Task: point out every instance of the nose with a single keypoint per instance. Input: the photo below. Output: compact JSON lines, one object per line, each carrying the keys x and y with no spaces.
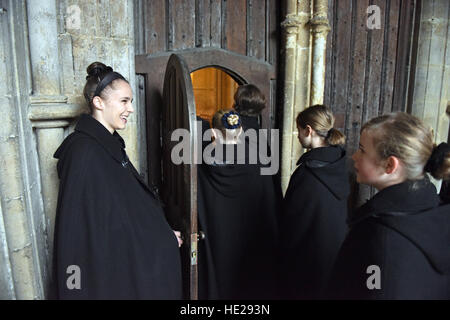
{"x":130,"y":108}
{"x":354,"y":156}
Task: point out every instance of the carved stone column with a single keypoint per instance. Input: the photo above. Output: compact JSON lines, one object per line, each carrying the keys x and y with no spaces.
{"x":319,"y":28}
{"x":296,"y":83}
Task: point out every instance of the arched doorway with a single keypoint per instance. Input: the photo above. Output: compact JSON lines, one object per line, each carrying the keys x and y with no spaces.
{"x":213,"y":90}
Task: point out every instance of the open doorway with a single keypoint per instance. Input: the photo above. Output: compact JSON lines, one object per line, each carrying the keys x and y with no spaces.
{"x":213,"y":90}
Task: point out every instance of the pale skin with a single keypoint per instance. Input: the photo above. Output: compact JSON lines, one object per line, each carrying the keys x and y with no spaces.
{"x":229,"y":139}
{"x":309,"y":138}
{"x":113,"y":112}
{"x":373,"y":171}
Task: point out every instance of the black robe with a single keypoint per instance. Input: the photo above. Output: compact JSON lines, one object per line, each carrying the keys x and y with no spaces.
{"x":237,"y":209}
{"x":445,"y":191}
{"x":404,"y":232}
{"x":109,"y":223}
{"x":250,"y":122}
{"x":313,"y":222}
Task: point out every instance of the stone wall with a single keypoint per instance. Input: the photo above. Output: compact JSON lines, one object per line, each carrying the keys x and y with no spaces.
{"x":432,"y":75}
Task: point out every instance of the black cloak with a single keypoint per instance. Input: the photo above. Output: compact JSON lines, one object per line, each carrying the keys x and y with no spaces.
{"x":109,"y":223}
{"x":313,"y":223}
{"x":445,"y":191}
{"x":237,"y":209}
{"x":406,"y":233}
{"x":250,"y":122}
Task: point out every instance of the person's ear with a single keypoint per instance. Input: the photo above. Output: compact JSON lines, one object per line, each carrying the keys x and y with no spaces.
{"x":98,"y":104}
{"x":392,"y":164}
{"x":309,"y":130}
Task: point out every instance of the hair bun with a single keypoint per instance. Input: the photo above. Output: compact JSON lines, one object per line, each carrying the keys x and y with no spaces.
{"x":231,"y":120}
{"x":96,"y":69}
{"x":437,"y":157}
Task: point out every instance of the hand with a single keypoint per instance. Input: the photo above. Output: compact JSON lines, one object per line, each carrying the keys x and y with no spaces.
{"x":178,"y":235}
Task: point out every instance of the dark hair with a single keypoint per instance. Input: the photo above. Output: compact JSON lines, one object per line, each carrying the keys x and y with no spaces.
{"x":249,"y":100}
{"x":321,"y":120}
{"x":97,"y":71}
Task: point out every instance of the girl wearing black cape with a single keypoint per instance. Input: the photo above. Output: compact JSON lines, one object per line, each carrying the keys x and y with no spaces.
{"x":398,"y":243}
{"x":314,"y":207}
{"x":112,"y":240}
{"x":237,"y":212}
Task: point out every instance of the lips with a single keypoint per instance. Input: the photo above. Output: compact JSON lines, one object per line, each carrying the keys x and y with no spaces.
{"x":124,"y":119}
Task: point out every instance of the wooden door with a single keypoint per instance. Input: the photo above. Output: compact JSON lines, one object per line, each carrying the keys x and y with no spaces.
{"x":241,"y":68}
{"x":179,"y":190}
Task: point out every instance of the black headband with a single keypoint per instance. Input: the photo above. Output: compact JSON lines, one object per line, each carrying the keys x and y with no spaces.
{"x":110,"y":77}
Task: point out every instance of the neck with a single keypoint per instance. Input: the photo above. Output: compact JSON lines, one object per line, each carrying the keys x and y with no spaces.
{"x":389,"y":183}
{"x":97,"y":117}
{"x":318,"y":142}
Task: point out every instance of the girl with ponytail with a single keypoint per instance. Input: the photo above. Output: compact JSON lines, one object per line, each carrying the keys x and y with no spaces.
{"x":398,"y":243}
{"x":315,"y":207}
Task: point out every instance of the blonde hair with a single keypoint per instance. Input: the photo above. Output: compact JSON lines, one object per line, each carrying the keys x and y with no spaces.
{"x":321,"y":120}
{"x":410,"y":140}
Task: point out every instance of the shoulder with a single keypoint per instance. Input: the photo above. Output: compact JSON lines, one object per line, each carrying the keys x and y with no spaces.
{"x":302,"y":177}
{"x":79,"y":144}
{"x":77,"y":152}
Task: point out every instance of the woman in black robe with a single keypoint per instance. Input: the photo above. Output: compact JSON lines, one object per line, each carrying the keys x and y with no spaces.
{"x":237,"y":209}
{"x":112,"y":240}
{"x":399,"y":240}
{"x":314,"y":207}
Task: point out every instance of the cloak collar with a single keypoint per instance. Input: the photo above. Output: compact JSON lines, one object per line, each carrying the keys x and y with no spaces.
{"x":113,"y":143}
{"x":321,"y":156}
{"x":407,"y":198}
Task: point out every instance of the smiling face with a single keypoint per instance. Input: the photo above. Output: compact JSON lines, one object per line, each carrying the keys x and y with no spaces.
{"x":114,"y":109}
{"x":369,"y":168}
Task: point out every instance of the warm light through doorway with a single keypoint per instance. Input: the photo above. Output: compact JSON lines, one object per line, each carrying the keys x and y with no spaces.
{"x":213,"y":90}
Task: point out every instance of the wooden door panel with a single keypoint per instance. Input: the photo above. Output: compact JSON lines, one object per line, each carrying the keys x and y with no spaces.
{"x":179,"y":190}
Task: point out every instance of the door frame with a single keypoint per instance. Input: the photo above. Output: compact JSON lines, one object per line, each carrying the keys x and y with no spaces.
{"x":241,"y":68}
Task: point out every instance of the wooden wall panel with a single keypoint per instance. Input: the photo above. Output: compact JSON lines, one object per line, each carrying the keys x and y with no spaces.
{"x":367,"y":70}
{"x":341,"y":60}
{"x":155,"y":33}
{"x":203,"y":23}
{"x":234,"y":26}
{"x":358,"y":76}
{"x":181,"y":24}
{"x":256,"y":28}
{"x":375,"y":65}
{"x":247,"y":27}
{"x":216,"y":23}
{"x":390,"y":56}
